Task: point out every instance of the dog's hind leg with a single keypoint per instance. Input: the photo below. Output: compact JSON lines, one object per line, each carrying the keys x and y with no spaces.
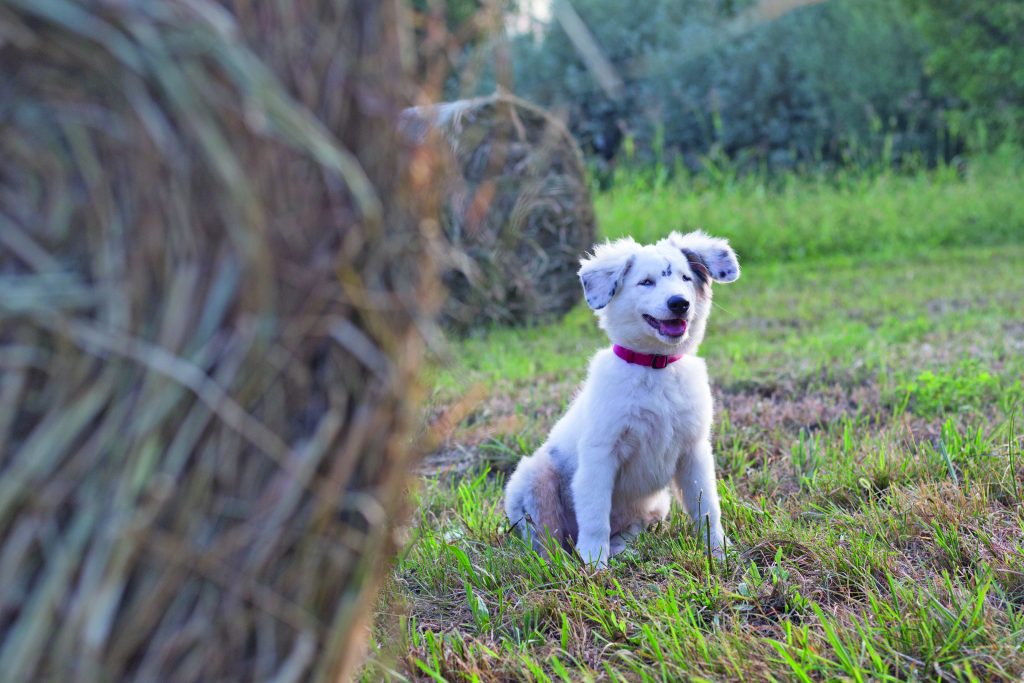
{"x":645,"y":514}
{"x":534,"y":502}
{"x":657,"y":507}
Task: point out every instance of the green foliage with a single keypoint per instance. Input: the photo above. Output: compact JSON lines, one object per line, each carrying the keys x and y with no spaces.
{"x":977,"y":51}
{"x":832,"y":83}
{"x":849,"y":214}
{"x":968,"y":386}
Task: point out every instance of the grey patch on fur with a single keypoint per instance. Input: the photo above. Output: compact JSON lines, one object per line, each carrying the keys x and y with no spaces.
{"x":590,"y":295}
{"x":590,"y":298}
{"x":627,"y":267}
{"x":668,"y":270}
{"x":700,"y":269}
{"x":555,"y":507}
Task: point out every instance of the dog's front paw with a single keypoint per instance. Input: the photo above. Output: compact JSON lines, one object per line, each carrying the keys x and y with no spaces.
{"x":719,"y":544}
{"x":594,"y":554}
{"x":717,"y":541}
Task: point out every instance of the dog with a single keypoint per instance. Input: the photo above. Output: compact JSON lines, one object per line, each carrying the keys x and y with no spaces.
{"x":642,"y":419}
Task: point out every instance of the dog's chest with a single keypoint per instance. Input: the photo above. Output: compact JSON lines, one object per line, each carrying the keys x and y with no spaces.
{"x":659,"y":429}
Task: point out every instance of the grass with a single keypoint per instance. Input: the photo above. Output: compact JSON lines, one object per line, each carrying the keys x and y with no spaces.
{"x":851,"y":213}
{"x":868,"y":439}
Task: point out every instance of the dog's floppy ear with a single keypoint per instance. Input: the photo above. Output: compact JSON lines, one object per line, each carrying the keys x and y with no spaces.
{"x":602,"y":273}
{"x":713,"y":252}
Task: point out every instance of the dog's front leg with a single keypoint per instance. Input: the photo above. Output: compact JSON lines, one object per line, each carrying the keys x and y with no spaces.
{"x":592,"y":486}
{"x":695,"y":476}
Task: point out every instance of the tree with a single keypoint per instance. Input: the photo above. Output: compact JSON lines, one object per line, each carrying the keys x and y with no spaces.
{"x":977,"y":51}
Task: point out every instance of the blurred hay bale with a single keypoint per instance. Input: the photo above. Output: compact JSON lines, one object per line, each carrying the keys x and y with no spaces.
{"x":518,"y":215}
{"x":211,"y":322}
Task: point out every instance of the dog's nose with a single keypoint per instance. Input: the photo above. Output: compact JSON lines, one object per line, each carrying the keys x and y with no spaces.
{"x":678,"y":305}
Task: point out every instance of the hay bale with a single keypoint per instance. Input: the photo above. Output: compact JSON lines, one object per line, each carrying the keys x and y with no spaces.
{"x":211,"y":322}
{"x":518,"y":214}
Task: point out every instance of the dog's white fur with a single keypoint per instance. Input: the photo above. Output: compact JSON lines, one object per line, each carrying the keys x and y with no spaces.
{"x":605,"y":471}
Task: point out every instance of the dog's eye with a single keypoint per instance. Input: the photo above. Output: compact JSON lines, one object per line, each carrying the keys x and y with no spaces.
{"x":686,"y":277}
{"x":646,"y":282}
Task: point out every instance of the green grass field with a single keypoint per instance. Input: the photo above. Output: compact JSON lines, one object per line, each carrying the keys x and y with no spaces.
{"x":867,"y":374}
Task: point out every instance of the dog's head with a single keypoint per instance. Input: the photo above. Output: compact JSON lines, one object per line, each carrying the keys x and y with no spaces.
{"x":656,"y":298}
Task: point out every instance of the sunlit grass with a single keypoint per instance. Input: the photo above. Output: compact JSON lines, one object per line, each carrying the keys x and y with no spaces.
{"x":813,"y":312}
{"x":851,"y":215}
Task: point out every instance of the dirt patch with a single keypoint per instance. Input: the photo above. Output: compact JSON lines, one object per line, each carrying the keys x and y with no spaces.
{"x":481,"y":428}
{"x":783,"y":410}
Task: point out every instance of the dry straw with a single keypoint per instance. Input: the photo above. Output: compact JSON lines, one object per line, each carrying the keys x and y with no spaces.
{"x":215,"y":290}
{"x":518,"y":216}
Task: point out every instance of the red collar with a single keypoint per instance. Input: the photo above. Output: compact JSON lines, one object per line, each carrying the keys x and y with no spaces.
{"x":650,"y":360}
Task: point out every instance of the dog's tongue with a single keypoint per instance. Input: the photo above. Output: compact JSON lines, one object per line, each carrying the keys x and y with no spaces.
{"x":672,"y":328}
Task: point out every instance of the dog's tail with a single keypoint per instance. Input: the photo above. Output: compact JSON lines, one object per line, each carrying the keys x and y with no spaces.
{"x":534,"y":502}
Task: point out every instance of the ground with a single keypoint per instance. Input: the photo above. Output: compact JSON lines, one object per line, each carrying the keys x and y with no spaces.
{"x":868,"y":439}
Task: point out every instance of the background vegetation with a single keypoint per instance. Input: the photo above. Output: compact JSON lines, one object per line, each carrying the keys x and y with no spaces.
{"x":827,"y":84}
{"x":976,"y":51}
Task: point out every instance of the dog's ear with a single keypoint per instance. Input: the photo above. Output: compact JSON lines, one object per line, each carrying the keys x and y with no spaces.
{"x":602,"y":273}
{"x":714,"y":253}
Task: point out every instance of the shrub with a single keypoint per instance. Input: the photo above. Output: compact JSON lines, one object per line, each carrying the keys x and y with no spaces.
{"x":831,"y":83}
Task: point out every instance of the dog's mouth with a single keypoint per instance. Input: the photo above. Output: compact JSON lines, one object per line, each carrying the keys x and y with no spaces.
{"x":672,"y":327}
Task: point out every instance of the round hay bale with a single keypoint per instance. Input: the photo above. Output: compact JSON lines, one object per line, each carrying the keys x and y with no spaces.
{"x":211,"y":322}
{"x":518,"y":214}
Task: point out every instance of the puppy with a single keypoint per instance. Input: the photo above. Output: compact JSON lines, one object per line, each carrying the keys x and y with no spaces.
{"x":643,"y":416}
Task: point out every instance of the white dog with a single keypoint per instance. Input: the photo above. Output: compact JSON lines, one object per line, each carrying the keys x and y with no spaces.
{"x":643,"y":416}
